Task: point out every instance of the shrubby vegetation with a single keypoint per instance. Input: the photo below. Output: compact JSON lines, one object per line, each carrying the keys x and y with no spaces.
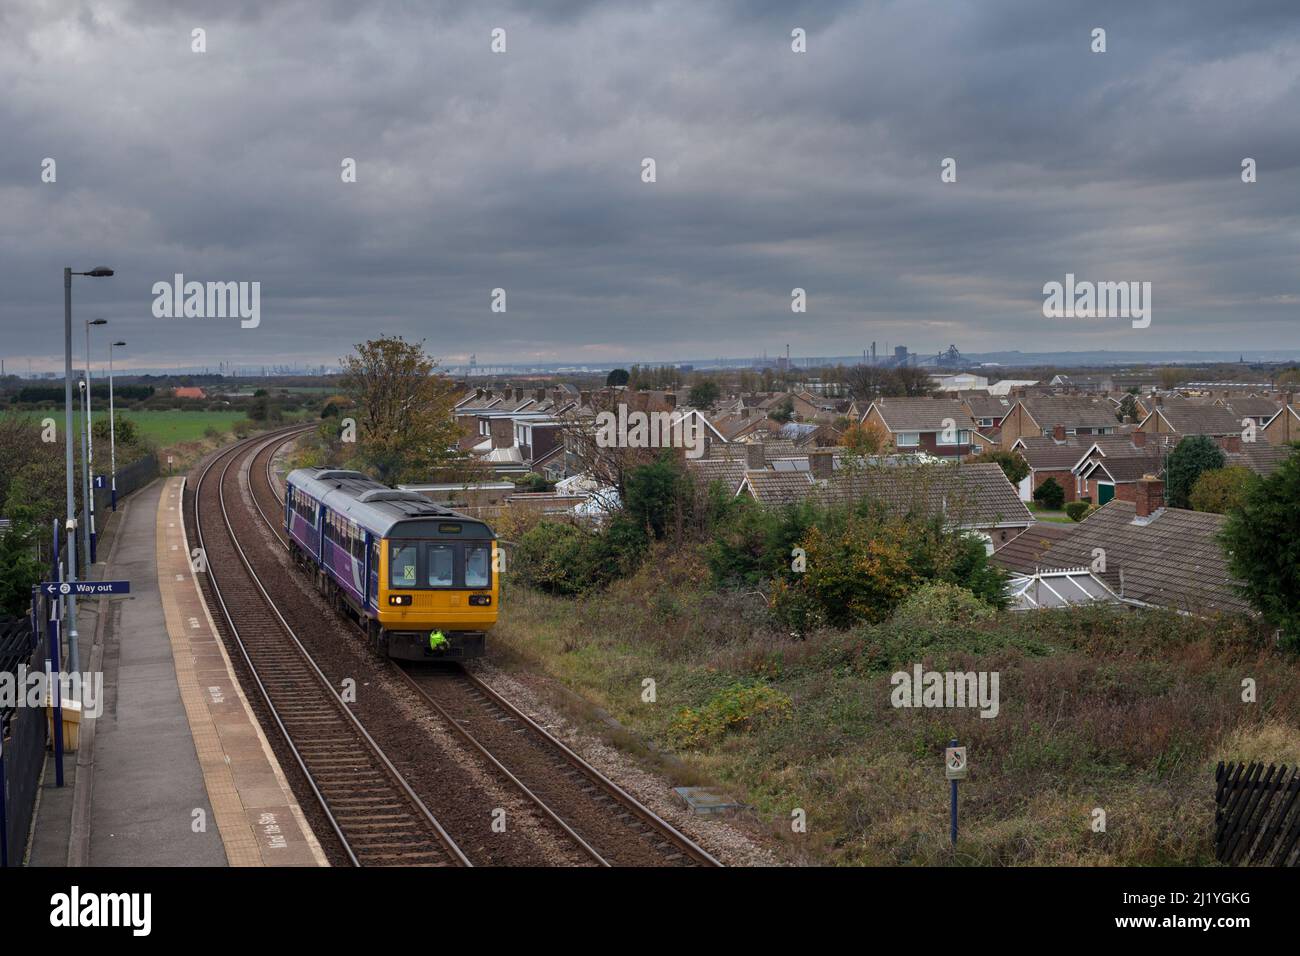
{"x":815,"y":565}
{"x":1262,"y":538}
{"x":1050,"y":495}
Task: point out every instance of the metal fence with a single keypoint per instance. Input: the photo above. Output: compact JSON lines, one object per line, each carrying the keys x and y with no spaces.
{"x":22,"y":742}
{"x":130,"y":478}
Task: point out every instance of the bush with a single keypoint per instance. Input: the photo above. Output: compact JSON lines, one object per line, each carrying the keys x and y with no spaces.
{"x":556,"y":558}
{"x":1262,"y":541}
{"x":736,"y":708}
{"x":1077,"y":509}
{"x":1050,"y":495}
{"x":940,"y":602}
{"x":1221,"y":490}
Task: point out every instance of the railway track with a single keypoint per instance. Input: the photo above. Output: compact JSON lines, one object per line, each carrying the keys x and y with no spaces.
{"x":374,"y":812}
{"x":608,"y":825}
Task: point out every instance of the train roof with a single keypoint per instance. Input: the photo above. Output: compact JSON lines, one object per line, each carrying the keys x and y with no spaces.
{"x":374,"y":506}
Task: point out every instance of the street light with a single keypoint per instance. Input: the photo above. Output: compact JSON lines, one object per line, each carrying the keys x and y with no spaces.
{"x":112,"y":422}
{"x":88,"y":466}
{"x":70,"y":522}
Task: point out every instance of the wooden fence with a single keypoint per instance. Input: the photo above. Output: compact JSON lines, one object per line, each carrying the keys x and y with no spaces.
{"x":1257,"y":815}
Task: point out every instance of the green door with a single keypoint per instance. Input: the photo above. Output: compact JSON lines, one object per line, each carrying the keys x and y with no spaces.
{"x":1104,"y":493}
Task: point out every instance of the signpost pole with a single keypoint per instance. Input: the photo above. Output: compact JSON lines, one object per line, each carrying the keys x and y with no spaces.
{"x":953,"y":824}
{"x":55,"y":689}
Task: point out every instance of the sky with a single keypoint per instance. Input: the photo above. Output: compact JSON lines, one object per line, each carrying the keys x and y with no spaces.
{"x":523,"y":171}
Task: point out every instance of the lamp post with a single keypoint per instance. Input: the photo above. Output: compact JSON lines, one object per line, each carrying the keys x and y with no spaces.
{"x":70,"y":522}
{"x":85,"y":481}
{"x":112,"y":424}
{"x":90,"y":448}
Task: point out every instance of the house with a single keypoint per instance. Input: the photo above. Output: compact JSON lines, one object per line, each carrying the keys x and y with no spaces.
{"x":937,"y":426}
{"x":1068,"y":415}
{"x":1284,"y":427}
{"x":972,"y":496}
{"x":734,"y":426}
{"x":1182,"y":417}
{"x":1257,"y":408}
{"x":1024,"y":553}
{"x":987,"y":410}
{"x":1068,"y":460}
{"x":1260,"y":457}
{"x":184,"y":391}
{"x":1153,"y":555}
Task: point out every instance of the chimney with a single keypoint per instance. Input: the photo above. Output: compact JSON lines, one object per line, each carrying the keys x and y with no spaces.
{"x":1139,"y":439}
{"x":1230,"y":443}
{"x":503,"y":432}
{"x":519,"y":394}
{"x":1160,"y":399}
{"x":556,"y":395}
{"x":586,"y":397}
{"x":1058,"y":434}
{"x":755,"y":456}
{"x":539,"y":394}
{"x":1150,"y":496}
{"x":671,"y":399}
{"x":821,"y":462}
{"x":478,"y":393}
{"x":744,"y":412}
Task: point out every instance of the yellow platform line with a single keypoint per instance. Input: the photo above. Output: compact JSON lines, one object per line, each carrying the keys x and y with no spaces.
{"x":257,"y":816}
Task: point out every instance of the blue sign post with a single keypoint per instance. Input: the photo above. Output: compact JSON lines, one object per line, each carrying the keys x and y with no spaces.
{"x":954,"y":768}
{"x":84,"y":589}
{"x":56,"y":701}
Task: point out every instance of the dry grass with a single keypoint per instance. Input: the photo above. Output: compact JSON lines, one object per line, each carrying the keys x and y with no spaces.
{"x":1127,"y":712}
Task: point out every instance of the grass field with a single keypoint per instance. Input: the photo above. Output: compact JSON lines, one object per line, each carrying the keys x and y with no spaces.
{"x":1126,"y":713}
{"x":163,"y":428}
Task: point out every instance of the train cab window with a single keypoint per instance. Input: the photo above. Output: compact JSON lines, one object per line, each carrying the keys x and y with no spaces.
{"x":442,"y":564}
{"x":478,"y":566}
{"x":401,"y":565}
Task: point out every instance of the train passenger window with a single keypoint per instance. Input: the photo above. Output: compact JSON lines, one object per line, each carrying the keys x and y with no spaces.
{"x":401,"y":565}
{"x":478,"y":565}
{"x":442,"y":562}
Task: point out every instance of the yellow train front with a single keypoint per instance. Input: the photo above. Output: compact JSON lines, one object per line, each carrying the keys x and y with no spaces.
{"x":420,"y":579}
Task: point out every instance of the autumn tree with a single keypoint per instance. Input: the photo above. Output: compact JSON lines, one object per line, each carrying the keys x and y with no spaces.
{"x":406,"y":428}
{"x":1221,"y":490}
{"x":910,"y":382}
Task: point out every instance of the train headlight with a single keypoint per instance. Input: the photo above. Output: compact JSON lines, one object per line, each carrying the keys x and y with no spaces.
{"x":399,"y":600}
{"x":480,"y":600}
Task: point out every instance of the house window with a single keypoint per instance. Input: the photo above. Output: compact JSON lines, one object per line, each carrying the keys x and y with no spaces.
{"x":963,"y":436}
{"x":908,"y":439}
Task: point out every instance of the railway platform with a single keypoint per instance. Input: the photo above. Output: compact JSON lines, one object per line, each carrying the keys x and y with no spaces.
{"x":175,"y":771}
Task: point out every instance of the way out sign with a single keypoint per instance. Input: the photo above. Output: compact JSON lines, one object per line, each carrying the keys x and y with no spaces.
{"x":954,"y":763}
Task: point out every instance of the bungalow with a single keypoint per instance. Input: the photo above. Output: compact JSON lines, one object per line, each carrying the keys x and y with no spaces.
{"x":1154,"y":556}
{"x":1182,"y":417}
{"x":941,"y":427}
{"x":973,"y":496}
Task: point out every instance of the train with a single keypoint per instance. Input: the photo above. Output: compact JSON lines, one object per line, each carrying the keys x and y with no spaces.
{"x":421,"y":580}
